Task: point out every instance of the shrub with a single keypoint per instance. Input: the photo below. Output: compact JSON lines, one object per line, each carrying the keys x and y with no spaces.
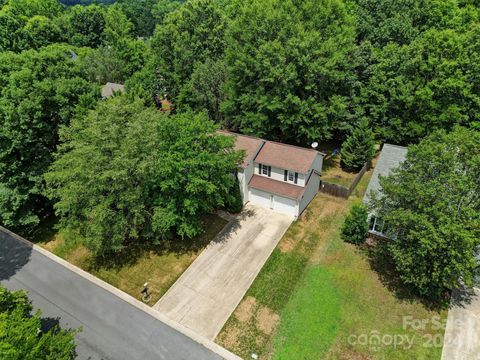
{"x":234,"y":203}
{"x":355,"y":227}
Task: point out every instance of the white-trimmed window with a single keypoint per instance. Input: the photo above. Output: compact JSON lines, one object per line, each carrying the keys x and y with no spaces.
{"x":265,"y":170}
{"x":291,"y":176}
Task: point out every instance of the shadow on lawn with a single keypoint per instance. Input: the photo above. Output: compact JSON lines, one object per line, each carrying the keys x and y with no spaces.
{"x":214,"y":228}
{"x":382,"y":263}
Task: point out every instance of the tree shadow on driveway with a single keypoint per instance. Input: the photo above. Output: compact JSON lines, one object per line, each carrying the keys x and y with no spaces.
{"x":14,"y":255}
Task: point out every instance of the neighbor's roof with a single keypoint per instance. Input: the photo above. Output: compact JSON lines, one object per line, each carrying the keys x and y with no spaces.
{"x":276,"y":187}
{"x":109,"y":88}
{"x":286,"y":156}
{"x":390,"y":157}
{"x":248,"y":143}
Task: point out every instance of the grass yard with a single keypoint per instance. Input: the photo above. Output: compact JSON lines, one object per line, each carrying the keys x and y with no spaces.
{"x":159,"y":266}
{"x":319,"y":298}
{"x":333,"y":173}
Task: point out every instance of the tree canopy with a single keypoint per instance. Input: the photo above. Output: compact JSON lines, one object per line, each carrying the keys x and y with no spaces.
{"x":22,"y":335}
{"x":39,"y":91}
{"x":128,"y":173}
{"x":431,"y":204}
{"x":290,"y":69}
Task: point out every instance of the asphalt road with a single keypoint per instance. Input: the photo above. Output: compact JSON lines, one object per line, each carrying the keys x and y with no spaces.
{"x":112,"y":328}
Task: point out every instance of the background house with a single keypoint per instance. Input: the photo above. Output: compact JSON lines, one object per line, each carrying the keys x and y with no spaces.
{"x":284,"y":178}
{"x":390,"y":157}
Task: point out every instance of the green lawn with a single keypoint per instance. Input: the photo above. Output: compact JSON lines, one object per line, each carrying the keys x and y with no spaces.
{"x":319,"y":298}
{"x":160,"y":266}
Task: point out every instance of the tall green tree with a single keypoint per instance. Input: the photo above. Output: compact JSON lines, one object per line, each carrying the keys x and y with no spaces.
{"x":188,"y":37}
{"x":426,"y":85}
{"x":12,"y":37}
{"x":359,"y":147}
{"x":431,"y":204}
{"x":206,"y":89}
{"x":140,"y":14}
{"x":30,"y":8}
{"x":21,"y":334}
{"x":40,"y":31}
{"x":127,"y":173}
{"x":290,"y":68}
{"x":85,"y":25}
{"x":39,"y":91}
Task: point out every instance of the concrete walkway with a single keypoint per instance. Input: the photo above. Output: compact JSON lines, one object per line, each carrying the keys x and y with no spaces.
{"x":207,"y":293}
{"x":462,"y":334}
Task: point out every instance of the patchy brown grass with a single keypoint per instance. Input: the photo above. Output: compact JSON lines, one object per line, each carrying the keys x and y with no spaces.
{"x":334,"y":174}
{"x":356,"y":294}
{"x":267,"y":320}
{"x":160,"y":268}
{"x":245,"y":310}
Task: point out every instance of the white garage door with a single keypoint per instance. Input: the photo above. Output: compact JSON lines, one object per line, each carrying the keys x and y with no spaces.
{"x":259,"y":197}
{"x":284,"y":205}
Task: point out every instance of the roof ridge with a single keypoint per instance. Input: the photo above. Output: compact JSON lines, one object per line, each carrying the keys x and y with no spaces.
{"x":294,"y":146}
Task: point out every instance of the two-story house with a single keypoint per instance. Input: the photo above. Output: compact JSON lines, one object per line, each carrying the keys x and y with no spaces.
{"x":284,"y":178}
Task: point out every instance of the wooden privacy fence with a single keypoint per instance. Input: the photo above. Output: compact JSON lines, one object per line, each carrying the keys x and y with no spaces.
{"x":343,"y":191}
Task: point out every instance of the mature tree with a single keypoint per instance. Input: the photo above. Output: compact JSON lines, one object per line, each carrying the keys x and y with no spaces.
{"x":85,"y":25}
{"x":290,"y":68}
{"x":427,"y":85}
{"x":22,"y":335}
{"x":128,"y":173}
{"x":431,"y":204}
{"x":205,"y":90}
{"x":12,"y":37}
{"x":188,"y":37}
{"x":140,"y":14}
{"x":381,"y":22}
{"x":355,"y":227}
{"x":30,"y":8}
{"x":117,"y":25}
{"x":38,"y":92}
{"x":164,"y":7}
{"x":115,"y":63}
{"x":40,"y":31}
{"x":359,"y":147}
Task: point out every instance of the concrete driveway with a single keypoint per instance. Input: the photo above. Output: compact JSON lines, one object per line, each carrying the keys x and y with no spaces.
{"x":207,"y":293}
{"x":462,"y":334}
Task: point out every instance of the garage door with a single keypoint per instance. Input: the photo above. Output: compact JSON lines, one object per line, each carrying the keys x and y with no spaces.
{"x":259,"y":197}
{"x":284,"y":205}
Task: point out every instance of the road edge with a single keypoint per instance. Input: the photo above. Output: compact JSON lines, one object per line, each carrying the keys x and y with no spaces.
{"x":209,"y":344}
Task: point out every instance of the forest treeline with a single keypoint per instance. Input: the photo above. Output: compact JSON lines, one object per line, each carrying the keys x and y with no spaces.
{"x":287,"y":70}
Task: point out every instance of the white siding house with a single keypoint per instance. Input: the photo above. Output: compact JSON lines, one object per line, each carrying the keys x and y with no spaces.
{"x":282,"y":177}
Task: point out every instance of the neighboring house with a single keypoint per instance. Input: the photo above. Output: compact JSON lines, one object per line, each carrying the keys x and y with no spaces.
{"x":390,"y":157}
{"x":282,"y":177}
{"x":110,"y":89}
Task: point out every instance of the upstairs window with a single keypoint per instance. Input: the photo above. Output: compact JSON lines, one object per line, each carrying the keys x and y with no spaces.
{"x":265,"y":170}
{"x":290,"y":176}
